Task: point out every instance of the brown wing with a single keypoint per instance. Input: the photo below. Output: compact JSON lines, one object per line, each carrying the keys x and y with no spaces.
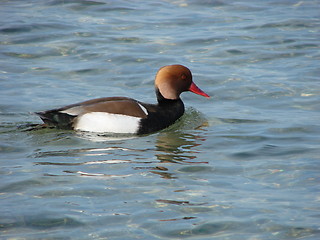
{"x":64,"y":117}
{"x":115,"y":105}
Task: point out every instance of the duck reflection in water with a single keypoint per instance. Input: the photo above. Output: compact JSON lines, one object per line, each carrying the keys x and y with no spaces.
{"x":177,"y":147}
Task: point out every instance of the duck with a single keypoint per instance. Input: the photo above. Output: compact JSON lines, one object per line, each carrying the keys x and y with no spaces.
{"x":123,"y":115}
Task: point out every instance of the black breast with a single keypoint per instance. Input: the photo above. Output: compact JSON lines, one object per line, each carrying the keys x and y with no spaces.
{"x":161,"y":116}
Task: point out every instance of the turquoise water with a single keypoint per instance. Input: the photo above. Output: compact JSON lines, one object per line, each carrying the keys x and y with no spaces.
{"x":241,"y":165}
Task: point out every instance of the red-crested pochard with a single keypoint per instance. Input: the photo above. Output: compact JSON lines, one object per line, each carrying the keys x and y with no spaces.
{"x":127,"y":115}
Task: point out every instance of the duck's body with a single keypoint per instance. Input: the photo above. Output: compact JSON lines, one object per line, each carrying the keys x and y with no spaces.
{"x":127,"y":115}
{"x":115,"y":115}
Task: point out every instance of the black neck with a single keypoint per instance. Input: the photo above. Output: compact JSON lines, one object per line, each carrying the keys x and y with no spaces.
{"x":162,"y":100}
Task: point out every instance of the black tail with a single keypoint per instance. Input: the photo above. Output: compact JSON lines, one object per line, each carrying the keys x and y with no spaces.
{"x":56,"y":119}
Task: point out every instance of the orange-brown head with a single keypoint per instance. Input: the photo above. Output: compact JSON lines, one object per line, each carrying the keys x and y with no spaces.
{"x":172,"y":80}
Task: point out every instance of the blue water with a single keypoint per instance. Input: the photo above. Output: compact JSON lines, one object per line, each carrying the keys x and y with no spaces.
{"x":241,"y":165}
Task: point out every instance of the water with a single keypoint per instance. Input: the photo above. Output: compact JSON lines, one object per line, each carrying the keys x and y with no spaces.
{"x":242,"y":165}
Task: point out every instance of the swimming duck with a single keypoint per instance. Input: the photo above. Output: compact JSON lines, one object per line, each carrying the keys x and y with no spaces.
{"x":127,"y":115}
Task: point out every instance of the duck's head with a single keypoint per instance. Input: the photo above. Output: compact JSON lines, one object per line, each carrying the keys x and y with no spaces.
{"x":172,"y":80}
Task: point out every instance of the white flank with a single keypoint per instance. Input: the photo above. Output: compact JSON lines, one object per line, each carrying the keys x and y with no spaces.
{"x":103,"y":122}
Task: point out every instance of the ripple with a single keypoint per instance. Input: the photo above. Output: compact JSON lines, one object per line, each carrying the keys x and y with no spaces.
{"x":84,"y":152}
{"x":41,"y":222}
{"x":240,"y":121}
{"x":174,"y":202}
{"x":270,"y":150}
{"x":293,"y":24}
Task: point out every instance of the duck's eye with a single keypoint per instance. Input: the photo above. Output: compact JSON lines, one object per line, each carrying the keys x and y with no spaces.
{"x":183,"y":77}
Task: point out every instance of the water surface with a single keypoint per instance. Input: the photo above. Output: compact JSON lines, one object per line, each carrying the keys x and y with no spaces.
{"x":241,"y":165}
